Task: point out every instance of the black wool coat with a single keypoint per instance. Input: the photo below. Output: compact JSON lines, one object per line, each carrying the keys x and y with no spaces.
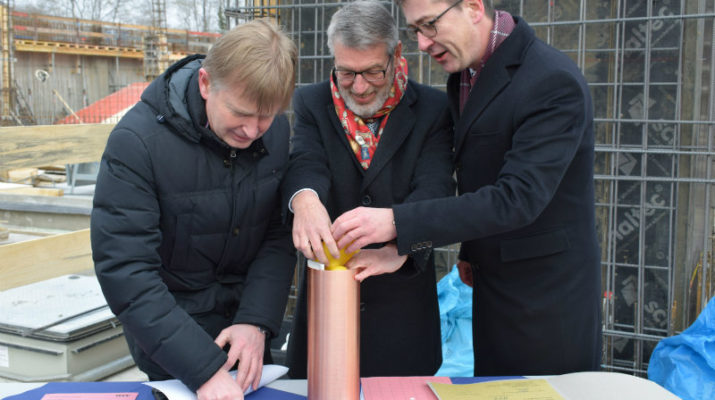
{"x":399,"y":317}
{"x":524,"y":157}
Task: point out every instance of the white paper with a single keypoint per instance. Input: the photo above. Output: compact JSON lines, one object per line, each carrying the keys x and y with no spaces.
{"x":173,"y":389}
{"x":599,"y":385}
{"x":316,"y":265}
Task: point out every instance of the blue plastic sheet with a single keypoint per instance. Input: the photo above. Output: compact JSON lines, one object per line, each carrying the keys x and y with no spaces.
{"x":685,"y":363}
{"x":455,"y":311}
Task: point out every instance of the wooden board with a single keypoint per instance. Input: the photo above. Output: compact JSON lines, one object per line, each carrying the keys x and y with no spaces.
{"x":44,"y":258}
{"x":34,"y":191}
{"x":38,"y":145}
{"x":19,"y":175}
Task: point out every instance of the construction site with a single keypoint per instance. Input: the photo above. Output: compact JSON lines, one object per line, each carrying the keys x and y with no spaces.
{"x":650,"y":65}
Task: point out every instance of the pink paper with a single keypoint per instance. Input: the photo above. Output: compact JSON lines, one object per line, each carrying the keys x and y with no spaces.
{"x":90,"y":396}
{"x":400,"y":387}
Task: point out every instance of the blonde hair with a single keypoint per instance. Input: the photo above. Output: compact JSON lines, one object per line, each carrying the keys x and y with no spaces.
{"x":260,"y":58}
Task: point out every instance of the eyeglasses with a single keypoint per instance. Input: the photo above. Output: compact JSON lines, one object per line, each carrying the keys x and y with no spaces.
{"x":371,"y":75}
{"x":427,"y":29}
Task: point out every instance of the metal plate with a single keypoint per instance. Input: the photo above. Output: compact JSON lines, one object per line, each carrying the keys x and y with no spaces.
{"x":64,"y":308}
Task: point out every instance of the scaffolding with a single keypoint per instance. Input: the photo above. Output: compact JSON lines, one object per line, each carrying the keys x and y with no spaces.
{"x":6,"y":75}
{"x":650,"y":68}
{"x":156,"y":46}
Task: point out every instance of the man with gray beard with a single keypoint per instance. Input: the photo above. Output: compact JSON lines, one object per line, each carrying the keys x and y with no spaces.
{"x":369,"y":137}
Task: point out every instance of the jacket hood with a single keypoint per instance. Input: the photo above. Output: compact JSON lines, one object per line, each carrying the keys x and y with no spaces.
{"x":176,"y":99}
{"x":177,"y":102}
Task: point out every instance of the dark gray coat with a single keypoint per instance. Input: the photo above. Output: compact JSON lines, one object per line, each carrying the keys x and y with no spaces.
{"x":400,"y":327}
{"x":186,"y":232}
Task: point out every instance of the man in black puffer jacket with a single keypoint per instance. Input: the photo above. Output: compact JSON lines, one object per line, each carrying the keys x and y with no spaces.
{"x":187,"y":237}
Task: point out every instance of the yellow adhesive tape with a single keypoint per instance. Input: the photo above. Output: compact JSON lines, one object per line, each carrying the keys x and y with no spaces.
{"x":339,"y":263}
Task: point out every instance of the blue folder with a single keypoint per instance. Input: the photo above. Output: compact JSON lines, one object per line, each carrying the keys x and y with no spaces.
{"x":144,"y":392}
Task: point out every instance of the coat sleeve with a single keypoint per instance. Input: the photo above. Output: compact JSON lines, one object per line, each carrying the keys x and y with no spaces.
{"x":125,"y":236}
{"x":308,"y":166}
{"x":270,"y":274}
{"x":549,"y":128}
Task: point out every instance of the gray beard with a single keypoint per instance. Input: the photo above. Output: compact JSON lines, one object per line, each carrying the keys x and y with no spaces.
{"x":367,"y":110}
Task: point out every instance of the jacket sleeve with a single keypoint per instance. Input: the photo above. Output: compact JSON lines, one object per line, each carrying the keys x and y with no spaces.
{"x":270,"y":274}
{"x":125,"y":236}
{"x":308,"y":166}
{"x":549,"y":127}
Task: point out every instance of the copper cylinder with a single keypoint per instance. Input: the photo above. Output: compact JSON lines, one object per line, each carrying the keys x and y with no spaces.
{"x":333,"y":335}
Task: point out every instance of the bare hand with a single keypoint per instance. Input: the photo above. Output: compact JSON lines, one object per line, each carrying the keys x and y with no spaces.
{"x":465,"y":272}
{"x":311,"y":227}
{"x":372,"y":262}
{"x":362,"y":226}
{"x":221,"y":386}
{"x":247,"y":345}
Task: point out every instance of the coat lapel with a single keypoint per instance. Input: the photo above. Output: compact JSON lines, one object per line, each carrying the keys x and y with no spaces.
{"x":398,"y":127}
{"x":330,"y":109}
{"x":481,"y":95}
{"x":496,"y":76}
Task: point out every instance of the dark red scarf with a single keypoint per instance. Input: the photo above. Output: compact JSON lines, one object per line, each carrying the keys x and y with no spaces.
{"x":503,"y":26}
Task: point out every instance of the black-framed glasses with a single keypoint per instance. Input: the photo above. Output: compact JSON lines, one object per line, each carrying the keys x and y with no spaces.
{"x":370,"y":75}
{"x":427,"y":29}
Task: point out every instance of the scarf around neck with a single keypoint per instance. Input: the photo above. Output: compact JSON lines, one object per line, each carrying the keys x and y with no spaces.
{"x":503,"y":26}
{"x":362,"y":140}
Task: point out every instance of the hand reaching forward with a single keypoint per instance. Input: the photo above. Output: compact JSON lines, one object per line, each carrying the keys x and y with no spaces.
{"x":311,"y":227}
{"x":465,"y":273}
{"x":247,"y":345}
{"x":221,"y":386}
{"x":362,"y":226}
{"x":372,"y":262}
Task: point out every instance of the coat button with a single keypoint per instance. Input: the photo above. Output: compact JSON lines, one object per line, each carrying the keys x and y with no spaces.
{"x":236,"y":231}
{"x":362,"y":306}
{"x":366,"y":200}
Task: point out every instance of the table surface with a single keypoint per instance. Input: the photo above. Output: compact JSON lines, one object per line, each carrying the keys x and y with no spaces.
{"x":579,"y":385}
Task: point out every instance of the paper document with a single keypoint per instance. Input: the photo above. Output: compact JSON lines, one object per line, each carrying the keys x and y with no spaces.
{"x":173,"y":389}
{"x":519,"y":389}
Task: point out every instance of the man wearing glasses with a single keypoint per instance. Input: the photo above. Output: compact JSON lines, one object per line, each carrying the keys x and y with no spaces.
{"x":524,"y":154}
{"x":368,"y":136}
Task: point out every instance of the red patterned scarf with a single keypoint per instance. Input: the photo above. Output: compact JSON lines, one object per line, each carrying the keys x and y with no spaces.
{"x":503,"y":25}
{"x":362,"y":140}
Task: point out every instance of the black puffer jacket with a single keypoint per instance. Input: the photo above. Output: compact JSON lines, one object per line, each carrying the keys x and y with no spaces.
{"x":184,"y":226}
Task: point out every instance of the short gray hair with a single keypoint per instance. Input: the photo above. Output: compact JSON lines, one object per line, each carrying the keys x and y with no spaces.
{"x":363,"y":24}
